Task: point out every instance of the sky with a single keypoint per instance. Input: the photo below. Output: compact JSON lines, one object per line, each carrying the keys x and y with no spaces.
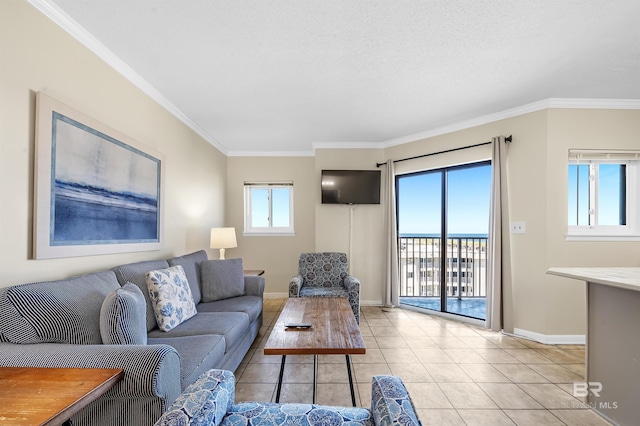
{"x":419,"y":196}
{"x":609,"y":194}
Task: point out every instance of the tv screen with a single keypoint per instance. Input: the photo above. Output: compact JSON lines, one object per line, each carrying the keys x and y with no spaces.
{"x":350,"y":187}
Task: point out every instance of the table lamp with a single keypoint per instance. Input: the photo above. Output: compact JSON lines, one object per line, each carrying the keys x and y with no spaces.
{"x":223,"y":238}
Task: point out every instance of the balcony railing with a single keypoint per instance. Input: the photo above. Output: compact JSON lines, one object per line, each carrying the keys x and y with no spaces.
{"x":421,"y":267}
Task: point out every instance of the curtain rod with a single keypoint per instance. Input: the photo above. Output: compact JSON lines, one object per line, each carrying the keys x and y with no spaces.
{"x":507,"y":139}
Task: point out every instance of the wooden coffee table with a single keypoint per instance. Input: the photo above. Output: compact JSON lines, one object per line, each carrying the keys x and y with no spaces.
{"x":50,"y":396}
{"x":334,"y":331}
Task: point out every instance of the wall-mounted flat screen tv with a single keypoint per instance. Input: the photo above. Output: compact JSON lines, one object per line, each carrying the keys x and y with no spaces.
{"x":350,"y":186}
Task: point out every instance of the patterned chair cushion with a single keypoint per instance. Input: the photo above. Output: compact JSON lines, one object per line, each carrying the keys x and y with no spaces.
{"x":170,"y":297}
{"x":222,"y":279}
{"x":323,"y":292}
{"x":123,"y":317}
{"x":391,"y":403}
{"x":326,"y":269}
{"x":204,"y":403}
{"x":272,"y":414}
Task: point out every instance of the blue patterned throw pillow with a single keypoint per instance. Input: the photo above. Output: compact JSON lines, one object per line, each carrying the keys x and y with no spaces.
{"x":170,"y":297}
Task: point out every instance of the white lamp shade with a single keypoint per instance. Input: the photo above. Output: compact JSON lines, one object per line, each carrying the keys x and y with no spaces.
{"x":223,"y":238}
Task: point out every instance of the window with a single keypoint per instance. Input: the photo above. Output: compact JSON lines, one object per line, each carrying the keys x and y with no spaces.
{"x":268,"y":208}
{"x":602,"y":194}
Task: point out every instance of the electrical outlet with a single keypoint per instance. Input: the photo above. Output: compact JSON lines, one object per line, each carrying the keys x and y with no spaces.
{"x":517,"y":228}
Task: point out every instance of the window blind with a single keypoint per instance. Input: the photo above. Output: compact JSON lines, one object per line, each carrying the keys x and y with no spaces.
{"x":604,"y":154}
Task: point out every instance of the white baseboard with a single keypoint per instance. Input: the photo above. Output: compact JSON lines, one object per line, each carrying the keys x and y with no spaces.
{"x":275,"y":295}
{"x":370,"y":302}
{"x":551,"y":339}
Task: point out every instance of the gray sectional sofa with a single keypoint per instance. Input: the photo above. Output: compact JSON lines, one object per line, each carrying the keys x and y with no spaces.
{"x":62,"y":324}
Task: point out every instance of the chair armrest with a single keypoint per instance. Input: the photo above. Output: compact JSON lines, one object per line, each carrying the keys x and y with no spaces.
{"x":150,"y":371}
{"x":352,"y":284}
{"x":204,"y":402}
{"x":254,"y":285}
{"x":391,"y":403}
{"x":295,"y":285}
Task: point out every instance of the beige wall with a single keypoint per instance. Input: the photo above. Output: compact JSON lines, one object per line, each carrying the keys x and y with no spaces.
{"x":333,"y":224}
{"x":202,"y":186}
{"x":595,"y":129}
{"x":537,"y":169}
{"x":37,"y":55}
{"x":277,"y":255}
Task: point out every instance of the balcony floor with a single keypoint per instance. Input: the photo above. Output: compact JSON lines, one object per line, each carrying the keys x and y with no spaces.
{"x":474,"y":307}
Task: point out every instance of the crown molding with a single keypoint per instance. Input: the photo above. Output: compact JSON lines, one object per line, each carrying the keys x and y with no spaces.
{"x":65,"y":22}
{"x":270,"y":154}
{"x":549,"y":103}
{"x":593,"y":103}
{"x":346,"y":145}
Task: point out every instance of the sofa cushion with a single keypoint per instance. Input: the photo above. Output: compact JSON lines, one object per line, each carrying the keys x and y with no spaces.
{"x":137,"y":273}
{"x":170,"y":297}
{"x":253,"y":413}
{"x":191,"y":264}
{"x":222,"y":279}
{"x":63,"y":311}
{"x":123,"y":317}
{"x":250,"y":305}
{"x":197,"y":354}
{"x":234,"y":326}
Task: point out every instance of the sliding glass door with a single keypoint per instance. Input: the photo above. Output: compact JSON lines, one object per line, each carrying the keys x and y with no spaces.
{"x":443,"y":220}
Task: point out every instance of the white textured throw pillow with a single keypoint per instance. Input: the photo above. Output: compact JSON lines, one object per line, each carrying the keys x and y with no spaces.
{"x":170,"y":297}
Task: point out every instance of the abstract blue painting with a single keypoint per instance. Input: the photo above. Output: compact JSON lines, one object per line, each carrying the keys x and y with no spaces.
{"x":104,"y":191}
{"x":97,"y":191}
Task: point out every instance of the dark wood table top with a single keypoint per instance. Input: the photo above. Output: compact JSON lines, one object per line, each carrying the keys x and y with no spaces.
{"x":334,"y":329}
{"x":50,"y":396}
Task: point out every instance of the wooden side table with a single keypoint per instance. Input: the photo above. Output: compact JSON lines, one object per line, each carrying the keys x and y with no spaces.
{"x":253,"y":272}
{"x":50,"y":396}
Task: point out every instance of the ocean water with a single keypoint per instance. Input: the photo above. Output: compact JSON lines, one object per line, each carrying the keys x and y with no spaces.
{"x":84,"y":215}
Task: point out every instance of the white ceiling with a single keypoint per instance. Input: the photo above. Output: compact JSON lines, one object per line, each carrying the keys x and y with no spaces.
{"x":285,"y":76}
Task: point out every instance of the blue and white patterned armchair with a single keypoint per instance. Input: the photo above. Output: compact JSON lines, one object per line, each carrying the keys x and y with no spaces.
{"x":325,"y":275}
{"x":210,"y":402}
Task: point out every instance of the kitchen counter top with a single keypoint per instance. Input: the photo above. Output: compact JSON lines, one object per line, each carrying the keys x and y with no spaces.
{"x":627,"y":278}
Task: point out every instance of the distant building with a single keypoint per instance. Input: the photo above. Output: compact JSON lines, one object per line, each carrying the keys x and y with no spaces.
{"x":421,"y":270}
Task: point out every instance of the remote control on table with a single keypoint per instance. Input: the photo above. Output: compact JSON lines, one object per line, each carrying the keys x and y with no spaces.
{"x":297,"y":325}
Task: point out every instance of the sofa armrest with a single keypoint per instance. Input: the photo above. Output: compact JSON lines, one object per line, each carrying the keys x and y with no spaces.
{"x":391,"y":403}
{"x":204,"y":402}
{"x":295,"y":285}
{"x":149,"y":371}
{"x":254,"y":285}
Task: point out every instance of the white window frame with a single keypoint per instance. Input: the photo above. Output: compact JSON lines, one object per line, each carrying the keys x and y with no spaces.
{"x":595,"y":232}
{"x":270,"y":230}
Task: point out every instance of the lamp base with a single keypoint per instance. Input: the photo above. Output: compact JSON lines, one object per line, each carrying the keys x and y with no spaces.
{"x":222,"y":254}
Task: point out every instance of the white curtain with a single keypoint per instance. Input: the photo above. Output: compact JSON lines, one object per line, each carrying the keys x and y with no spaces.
{"x":499,"y":287}
{"x":391,"y":282}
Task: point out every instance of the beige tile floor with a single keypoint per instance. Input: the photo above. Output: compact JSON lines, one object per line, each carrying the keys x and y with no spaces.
{"x":457,"y":374}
